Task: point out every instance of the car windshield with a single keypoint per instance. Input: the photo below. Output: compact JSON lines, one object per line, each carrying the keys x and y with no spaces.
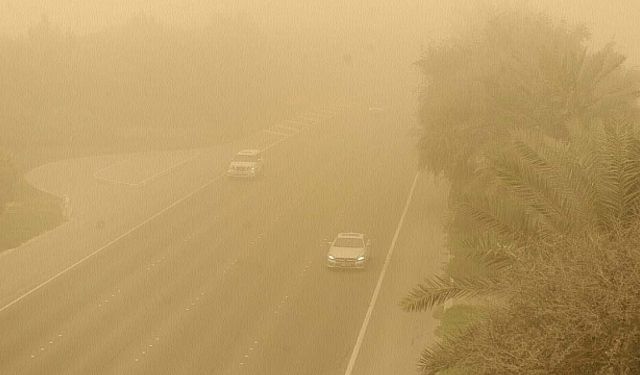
{"x":246,"y":158}
{"x":348,"y":242}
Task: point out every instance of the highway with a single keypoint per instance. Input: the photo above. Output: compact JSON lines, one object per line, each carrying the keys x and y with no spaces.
{"x":231,"y":280}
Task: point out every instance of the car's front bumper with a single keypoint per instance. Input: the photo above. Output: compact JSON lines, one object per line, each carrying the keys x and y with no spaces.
{"x":241,"y":174}
{"x":346,"y":263}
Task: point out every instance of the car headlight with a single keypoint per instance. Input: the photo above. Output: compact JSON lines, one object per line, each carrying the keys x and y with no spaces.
{"x":361,"y":258}
{"x":331,"y":257}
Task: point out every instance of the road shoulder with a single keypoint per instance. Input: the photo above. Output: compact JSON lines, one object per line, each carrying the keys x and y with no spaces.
{"x":395,"y":339}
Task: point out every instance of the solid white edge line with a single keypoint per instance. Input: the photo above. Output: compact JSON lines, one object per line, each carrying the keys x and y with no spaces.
{"x":273,"y":144}
{"x":170,"y":169}
{"x":99,"y":171}
{"x":288,"y":128}
{"x":147,"y":179}
{"x":376,"y":292}
{"x":103,"y":247}
{"x":133,"y":229}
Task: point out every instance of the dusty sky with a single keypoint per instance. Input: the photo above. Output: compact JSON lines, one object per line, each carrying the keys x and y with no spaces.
{"x":412,"y":22}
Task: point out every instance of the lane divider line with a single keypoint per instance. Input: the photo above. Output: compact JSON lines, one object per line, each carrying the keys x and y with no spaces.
{"x":376,"y":292}
{"x":120,"y":237}
{"x":147,"y":179}
{"x":169,"y":169}
{"x":127,"y":233}
{"x":287,"y":128}
{"x":112,"y":165}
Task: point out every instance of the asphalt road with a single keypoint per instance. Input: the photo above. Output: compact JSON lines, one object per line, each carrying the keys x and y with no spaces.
{"x":231,"y":281}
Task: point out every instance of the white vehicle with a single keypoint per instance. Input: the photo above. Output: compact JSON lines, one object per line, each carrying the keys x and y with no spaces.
{"x":246,"y":163}
{"x":349,"y":250}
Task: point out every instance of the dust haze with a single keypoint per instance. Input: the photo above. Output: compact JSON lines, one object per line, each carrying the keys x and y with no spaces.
{"x":176,"y":66}
{"x":231,"y":187}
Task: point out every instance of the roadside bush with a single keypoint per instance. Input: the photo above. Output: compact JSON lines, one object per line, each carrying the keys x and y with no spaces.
{"x":31,"y":213}
{"x":570,"y":307}
{"x":8,"y":180}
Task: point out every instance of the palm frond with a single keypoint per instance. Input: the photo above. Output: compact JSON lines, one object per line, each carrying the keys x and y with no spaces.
{"x":499,"y":214}
{"x":618,"y":173}
{"x":449,"y":354}
{"x":438,"y":290}
{"x":524,"y":183}
{"x":559,"y":176}
{"x":494,"y":259}
{"x":435,"y":359}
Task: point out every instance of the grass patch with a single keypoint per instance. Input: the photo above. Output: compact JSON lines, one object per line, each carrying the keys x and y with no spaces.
{"x":30,"y":214}
{"x":457,"y":318}
{"x":453,"y":320}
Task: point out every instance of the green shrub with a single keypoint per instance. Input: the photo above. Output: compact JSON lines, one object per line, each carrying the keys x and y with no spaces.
{"x":32,"y":213}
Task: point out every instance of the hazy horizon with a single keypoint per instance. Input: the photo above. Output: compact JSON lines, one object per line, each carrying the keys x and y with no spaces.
{"x":416,"y":22}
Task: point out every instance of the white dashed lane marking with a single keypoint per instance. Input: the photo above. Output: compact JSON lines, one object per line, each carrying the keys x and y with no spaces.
{"x":192,"y":305}
{"x":278,"y":311}
{"x":105,"y":301}
{"x":284,"y":131}
{"x":147,"y":348}
{"x":287,"y":129}
{"x":43,"y":348}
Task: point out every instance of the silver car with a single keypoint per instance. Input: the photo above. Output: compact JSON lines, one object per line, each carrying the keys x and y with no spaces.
{"x":349,"y":250}
{"x":246,"y":163}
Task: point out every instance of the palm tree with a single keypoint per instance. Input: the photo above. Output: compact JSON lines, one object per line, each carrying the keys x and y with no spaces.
{"x":537,"y":192}
{"x":533,"y":132}
{"x":517,"y":71}
{"x":537,"y":189}
{"x":569,"y":307}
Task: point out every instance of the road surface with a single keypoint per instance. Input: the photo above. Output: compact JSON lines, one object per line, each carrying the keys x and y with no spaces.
{"x":232,"y":280}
